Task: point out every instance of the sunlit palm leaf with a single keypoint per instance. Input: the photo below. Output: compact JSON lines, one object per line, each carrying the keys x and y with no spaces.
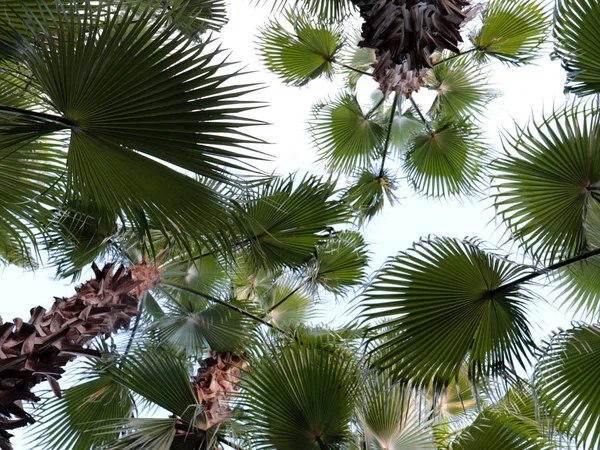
{"x":302,"y":55}
{"x":441,"y":305}
{"x":340,"y":262}
{"x":368,"y":193}
{"x":300,"y":397}
{"x":194,"y":17}
{"x":283,"y":223}
{"x":392,"y":417}
{"x":72,"y":422}
{"x":447,"y":162}
{"x":289,"y":303}
{"x":346,"y":138}
{"x":546,"y":181}
{"x":404,"y":127}
{"x":137,"y":433}
{"x":567,"y":381}
{"x":462,"y":91}
{"x":576,"y":41}
{"x":512,"y":30}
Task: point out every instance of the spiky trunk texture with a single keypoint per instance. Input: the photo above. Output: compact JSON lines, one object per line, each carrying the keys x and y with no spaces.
{"x":37,"y":350}
{"x":216,"y":383}
{"x":405,"y":33}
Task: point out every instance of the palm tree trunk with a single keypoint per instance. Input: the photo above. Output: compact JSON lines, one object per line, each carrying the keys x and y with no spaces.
{"x":38,"y":350}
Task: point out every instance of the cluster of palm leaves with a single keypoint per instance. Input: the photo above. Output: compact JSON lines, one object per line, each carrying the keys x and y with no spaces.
{"x":125,"y":130}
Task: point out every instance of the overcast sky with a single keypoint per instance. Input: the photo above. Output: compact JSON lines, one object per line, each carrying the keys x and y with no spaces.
{"x":523,"y":90}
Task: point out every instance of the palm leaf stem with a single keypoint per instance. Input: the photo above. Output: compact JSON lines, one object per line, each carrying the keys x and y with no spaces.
{"x":280,"y":302}
{"x":545,"y":271}
{"x":225,"y":304}
{"x":375,"y":108}
{"x":27,"y":112}
{"x":456,"y":55}
{"x":134,"y":329}
{"x":389,"y":133}
{"x":354,"y":69}
{"x":421,"y":116}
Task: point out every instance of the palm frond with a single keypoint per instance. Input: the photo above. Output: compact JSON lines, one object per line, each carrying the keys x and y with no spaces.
{"x":300,"y":396}
{"x":404,"y":127}
{"x":161,"y":377}
{"x":73,"y":421}
{"x":446,"y":162}
{"x":369,"y":191}
{"x":512,"y":30}
{"x":345,"y":136}
{"x":302,"y":55}
{"x":442,"y":306}
{"x":462,"y":91}
{"x":138,"y":433}
{"x":576,"y":39}
{"x":288,"y":303}
{"x":284,"y":221}
{"x":547,"y":180}
{"x":340,"y":262}
{"x":195,"y":17}
{"x":328,"y":11}
{"x":567,"y":381}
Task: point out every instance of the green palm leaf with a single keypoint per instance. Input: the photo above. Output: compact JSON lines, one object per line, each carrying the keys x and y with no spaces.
{"x":512,"y":30}
{"x":71,"y":422}
{"x":138,"y":433}
{"x":156,"y":94}
{"x":404,"y":127}
{"x":288,"y":303}
{"x":368,"y":193}
{"x":391,"y":416}
{"x":500,"y":430}
{"x":446,"y":162}
{"x":300,"y":397}
{"x":576,"y":39}
{"x":195,"y":17}
{"x":161,"y":377}
{"x":547,"y":181}
{"x":442,"y":305}
{"x":567,"y":381}
{"x":303,"y":55}
{"x":340,"y":262}
{"x":325,"y":10}
{"x":462,"y":91}
{"x":284,"y":222}
{"x":345,"y":136}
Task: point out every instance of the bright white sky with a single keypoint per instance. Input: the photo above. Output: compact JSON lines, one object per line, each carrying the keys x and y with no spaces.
{"x":523,"y":90}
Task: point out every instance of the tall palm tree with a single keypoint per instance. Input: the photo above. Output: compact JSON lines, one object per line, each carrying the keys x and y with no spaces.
{"x":443,"y":333}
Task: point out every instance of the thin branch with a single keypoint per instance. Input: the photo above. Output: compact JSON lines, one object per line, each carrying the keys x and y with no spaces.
{"x":375,"y":108}
{"x":389,"y":133}
{"x":354,"y":69}
{"x":26,"y":112}
{"x":279,"y":303}
{"x":456,"y":55}
{"x":422,"y":117}
{"x":135,"y":328}
{"x":545,"y":271}
{"x":225,"y":304}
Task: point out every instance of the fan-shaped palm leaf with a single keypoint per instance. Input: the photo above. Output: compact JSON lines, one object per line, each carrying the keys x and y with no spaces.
{"x":446,"y":162}
{"x":283,"y":223}
{"x":444,"y":303}
{"x":345,"y":136}
{"x":71,"y":422}
{"x":300,"y":397}
{"x":138,"y":433}
{"x":166,"y":102}
{"x":462,"y":91}
{"x":368,"y":193}
{"x":567,"y":381}
{"x":547,"y":179}
{"x":288,"y":303}
{"x":576,"y":39}
{"x":303,"y":55}
{"x":404,"y":127}
{"x":391,"y":416}
{"x":340,"y":262}
{"x":512,"y":30}
{"x":194,"y":17}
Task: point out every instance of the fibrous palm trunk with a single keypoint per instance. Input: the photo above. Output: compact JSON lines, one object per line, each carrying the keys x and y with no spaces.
{"x":405,"y":33}
{"x":37,"y":350}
